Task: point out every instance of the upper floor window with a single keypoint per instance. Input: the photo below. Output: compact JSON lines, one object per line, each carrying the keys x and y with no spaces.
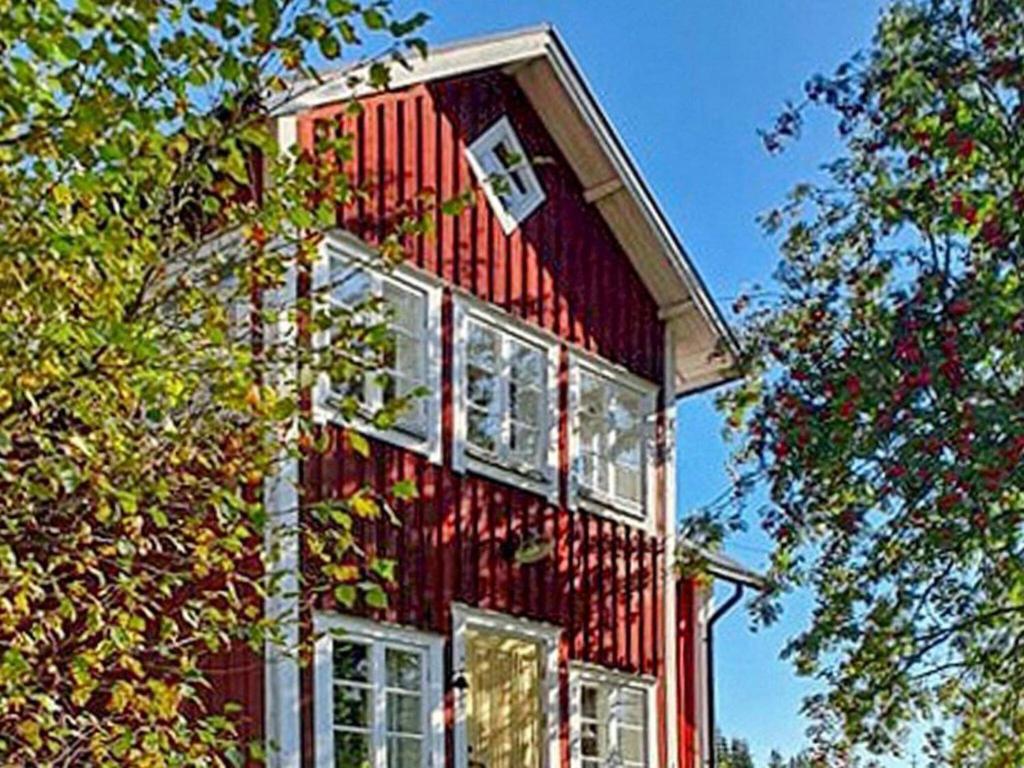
{"x":408,"y":308}
{"x":611,"y":437}
{"x":506,"y":398}
{"x":611,"y":721}
{"x":378,"y":695}
{"x":508,"y":178}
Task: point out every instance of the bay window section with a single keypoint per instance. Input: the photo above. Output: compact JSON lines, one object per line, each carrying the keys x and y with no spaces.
{"x":391,"y":324}
{"x":506,"y":398}
{"x":612,"y":451}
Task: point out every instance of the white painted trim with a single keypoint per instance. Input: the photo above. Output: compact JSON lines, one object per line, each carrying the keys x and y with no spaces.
{"x":281,"y":498}
{"x":648,"y":390}
{"x":591,"y":673}
{"x":502,"y":130}
{"x":669,"y":413}
{"x":465,"y":309}
{"x":701,"y":613}
{"x":410,"y":277}
{"x":326,"y":625}
{"x":465,"y":618}
{"x":441,"y":62}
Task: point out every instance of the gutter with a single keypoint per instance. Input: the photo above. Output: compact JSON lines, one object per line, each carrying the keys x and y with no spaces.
{"x":709,"y":651}
{"x":728,"y":570}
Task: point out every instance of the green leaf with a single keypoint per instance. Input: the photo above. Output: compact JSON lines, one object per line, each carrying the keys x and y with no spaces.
{"x":405,"y":490}
{"x":359,"y":444}
{"x":374,"y":19}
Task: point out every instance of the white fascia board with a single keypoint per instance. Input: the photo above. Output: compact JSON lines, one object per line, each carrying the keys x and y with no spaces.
{"x":575,"y":84}
{"x":443,"y":62}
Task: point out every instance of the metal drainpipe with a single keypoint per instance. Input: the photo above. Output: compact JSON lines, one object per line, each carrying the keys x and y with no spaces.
{"x":710,"y":650}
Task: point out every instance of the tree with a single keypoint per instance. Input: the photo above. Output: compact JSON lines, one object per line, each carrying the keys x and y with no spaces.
{"x":141,"y":406}
{"x":881,"y":417}
{"x":732,"y":753}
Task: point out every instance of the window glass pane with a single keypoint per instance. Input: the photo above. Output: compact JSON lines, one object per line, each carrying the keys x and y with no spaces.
{"x":404,"y":669}
{"x":405,"y":713}
{"x":588,"y":701}
{"x":351,"y":661}
{"x":404,"y":753}
{"x":524,"y":443}
{"x":631,"y":707}
{"x":349,"y":285}
{"x":352,"y":706}
{"x":484,"y":430}
{"x":351,"y":750}
{"x":631,"y":744}
{"x":482,"y":374}
{"x":482,"y":350}
{"x":628,"y":484}
{"x":625,"y":412}
{"x":590,"y":740}
{"x":407,"y":308}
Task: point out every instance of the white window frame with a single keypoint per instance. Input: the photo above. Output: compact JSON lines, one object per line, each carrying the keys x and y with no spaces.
{"x":544,"y":480}
{"x":581,"y":674}
{"x":379,"y":636}
{"x":502,"y":131}
{"x":640,"y":515}
{"x":547,"y":636}
{"x":344,"y":246}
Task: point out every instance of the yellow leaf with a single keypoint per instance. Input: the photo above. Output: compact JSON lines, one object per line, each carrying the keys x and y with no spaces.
{"x":120,"y":696}
{"x":29,"y":730}
{"x":359,"y":444}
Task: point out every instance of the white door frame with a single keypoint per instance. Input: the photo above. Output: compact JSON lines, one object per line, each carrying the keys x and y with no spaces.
{"x":465,"y":618}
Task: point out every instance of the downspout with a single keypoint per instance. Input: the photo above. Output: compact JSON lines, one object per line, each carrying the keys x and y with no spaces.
{"x":736,"y":596}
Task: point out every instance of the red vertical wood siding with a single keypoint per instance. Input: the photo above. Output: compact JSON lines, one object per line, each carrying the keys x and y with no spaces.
{"x":561,"y":270}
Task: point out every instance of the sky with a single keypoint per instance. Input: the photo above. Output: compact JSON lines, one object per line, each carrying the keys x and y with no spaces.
{"x":688,"y":83}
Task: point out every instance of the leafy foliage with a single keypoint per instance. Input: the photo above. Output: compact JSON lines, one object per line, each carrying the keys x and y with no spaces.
{"x":144,"y":398}
{"x":882,"y":413}
{"x":732,"y":753}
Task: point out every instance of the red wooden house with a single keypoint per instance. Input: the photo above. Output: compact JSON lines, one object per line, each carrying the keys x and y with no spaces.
{"x":535,"y":621}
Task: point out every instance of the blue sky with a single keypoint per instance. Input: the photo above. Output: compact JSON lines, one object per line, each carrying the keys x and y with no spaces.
{"x":688,"y":83}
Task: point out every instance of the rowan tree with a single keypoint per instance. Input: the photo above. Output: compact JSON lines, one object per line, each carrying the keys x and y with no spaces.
{"x":879,"y":428}
{"x":147,"y":219}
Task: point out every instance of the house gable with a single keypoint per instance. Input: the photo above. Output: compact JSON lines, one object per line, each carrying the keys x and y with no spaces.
{"x":561,"y":268}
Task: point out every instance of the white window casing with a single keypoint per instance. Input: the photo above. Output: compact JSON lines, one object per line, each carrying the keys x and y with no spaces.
{"x":505,"y":173}
{"x":612,"y":719}
{"x":611,"y":441}
{"x":379,"y":693}
{"x":344,"y":274}
{"x":505,"y":394}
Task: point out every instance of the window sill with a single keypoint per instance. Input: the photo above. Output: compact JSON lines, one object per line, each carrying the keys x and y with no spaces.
{"x":526,"y":478}
{"x":426,"y":445}
{"x":633,"y":515}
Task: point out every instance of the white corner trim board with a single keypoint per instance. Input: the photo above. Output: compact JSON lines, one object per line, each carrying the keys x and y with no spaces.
{"x":281,"y":498}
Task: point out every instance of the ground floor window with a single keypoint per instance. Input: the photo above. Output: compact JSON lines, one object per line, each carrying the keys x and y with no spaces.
{"x":378,"y":696}
{"x":612,"y":717}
